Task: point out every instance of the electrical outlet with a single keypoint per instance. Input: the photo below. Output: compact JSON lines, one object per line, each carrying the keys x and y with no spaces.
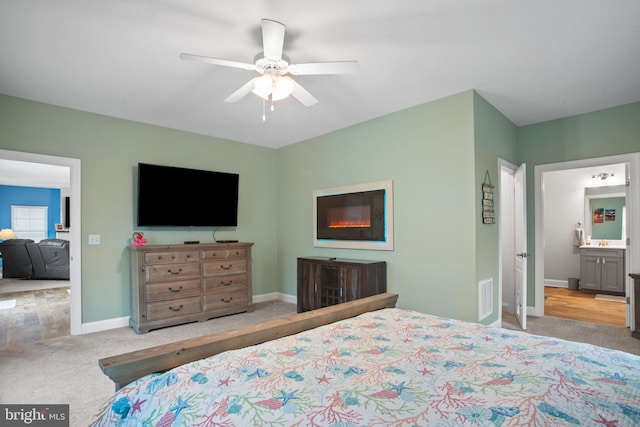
{"x":94,"y":239}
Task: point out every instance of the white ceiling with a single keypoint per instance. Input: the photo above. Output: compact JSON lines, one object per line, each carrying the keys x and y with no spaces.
{"x":534,"y":60}
{"x":27,"y":174}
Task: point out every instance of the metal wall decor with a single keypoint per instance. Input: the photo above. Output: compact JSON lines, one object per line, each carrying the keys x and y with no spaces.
{"x":488,"y":211}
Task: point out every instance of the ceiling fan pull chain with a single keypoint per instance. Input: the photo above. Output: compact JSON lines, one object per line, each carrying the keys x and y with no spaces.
{"x":264,"y":115}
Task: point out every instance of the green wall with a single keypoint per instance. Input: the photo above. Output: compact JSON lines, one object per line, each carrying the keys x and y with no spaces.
{"x":599,"y":134}
{"x":428,"y":152}
{"x":436,"y":154}
{"x":495,"y":137}
{"x":109,"y":150}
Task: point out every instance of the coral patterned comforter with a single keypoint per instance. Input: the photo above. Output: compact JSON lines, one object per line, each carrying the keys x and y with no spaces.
{"x":392,"y":368}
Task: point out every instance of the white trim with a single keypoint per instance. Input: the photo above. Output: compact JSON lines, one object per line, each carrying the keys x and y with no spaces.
{"x":632,"y":262}
{"x":556,"y":283}
{"x":279,"y":296}
{"x":509,"y":168}
{"x":105,"y":325}
{"x":386,"y":245}
{"x":75,"y":246}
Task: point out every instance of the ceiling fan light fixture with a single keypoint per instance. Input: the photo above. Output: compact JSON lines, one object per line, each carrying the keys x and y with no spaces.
{"x":282,"y":88}
{"x":263,"y":87}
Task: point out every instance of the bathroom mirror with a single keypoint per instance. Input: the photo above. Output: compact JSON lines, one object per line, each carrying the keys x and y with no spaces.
{"x":605,"y":213}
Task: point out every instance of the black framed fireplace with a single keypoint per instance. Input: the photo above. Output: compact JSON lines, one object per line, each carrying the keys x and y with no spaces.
{"x":351,"y":216}
{"x":358,"y":216}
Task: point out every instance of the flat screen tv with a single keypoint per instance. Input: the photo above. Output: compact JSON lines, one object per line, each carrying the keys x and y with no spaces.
{"x":170,"y":196}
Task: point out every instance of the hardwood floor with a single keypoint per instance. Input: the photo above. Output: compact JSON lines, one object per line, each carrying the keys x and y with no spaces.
{"x":576,"y":305}
{"x":37,"y":315}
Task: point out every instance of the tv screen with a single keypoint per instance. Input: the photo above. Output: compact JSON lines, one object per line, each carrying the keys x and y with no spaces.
{"x":180,"y":197}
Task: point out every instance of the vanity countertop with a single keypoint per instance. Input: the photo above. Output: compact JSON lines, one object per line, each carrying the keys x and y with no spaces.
{"x":603,"y":247}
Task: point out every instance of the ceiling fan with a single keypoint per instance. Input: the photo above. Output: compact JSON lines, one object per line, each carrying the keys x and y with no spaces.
{"x":273,"y":83}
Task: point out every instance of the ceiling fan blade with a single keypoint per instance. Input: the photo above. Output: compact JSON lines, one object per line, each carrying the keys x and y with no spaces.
{"x":216,"y":61}
{"x":242,"y":92}
{"x":340,"y":67}
{"x":272,"y":39}
{"x":302,"y":95}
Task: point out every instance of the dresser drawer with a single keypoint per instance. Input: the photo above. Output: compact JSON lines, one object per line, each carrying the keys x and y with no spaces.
{"x":172,"y":308}
{"x":222,"y":300}
{"x":225,"y":283}
{"x":171,"y":257}
{"x":170,"y":272}
{"x":607,"y":253}
{"x":172,"y":290}
{"x":224,"y":266}
{"x":225,"y":253}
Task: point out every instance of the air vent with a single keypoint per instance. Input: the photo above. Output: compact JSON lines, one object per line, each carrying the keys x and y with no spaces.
{"x":485,"y":298}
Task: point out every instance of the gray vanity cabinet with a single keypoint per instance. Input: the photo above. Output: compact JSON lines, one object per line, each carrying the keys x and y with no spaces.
{"x":602,"y":270}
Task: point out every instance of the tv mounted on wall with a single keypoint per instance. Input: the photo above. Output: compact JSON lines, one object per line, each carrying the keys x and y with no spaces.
{"x":171,"y":196}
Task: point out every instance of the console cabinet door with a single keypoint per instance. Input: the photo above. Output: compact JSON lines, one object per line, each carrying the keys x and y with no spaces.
{"x":612,"y":274}
{"x":307,"y":286}
{"x":590,"y":272}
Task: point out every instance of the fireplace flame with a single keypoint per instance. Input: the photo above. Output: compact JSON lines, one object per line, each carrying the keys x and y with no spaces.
{"x":350,"y":224}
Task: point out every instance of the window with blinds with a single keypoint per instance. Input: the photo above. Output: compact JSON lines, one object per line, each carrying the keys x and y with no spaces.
{"x":30,"y":222}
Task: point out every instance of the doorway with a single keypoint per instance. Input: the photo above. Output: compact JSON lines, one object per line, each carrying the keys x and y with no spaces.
{"x":544,"y":222}
{"x":75,"y":309}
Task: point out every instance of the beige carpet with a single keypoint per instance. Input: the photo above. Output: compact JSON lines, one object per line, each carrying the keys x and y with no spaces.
{"x":65,"y":370}
{"x":574,"y":330}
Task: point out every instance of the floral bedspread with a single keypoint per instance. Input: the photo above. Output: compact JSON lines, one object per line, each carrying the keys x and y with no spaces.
{"x":392,"y":368}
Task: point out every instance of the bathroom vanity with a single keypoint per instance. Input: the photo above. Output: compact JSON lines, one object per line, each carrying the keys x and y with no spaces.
{"x":602,"y":269}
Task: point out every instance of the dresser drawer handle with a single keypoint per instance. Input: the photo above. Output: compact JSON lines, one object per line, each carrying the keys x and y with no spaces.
{"x":226,"y":268}
{"x":174,"y":272}
{"x":226,"y":300}
{"x":175,"y":290}
{"x":226,"y":283}
{"x":176,"y":309}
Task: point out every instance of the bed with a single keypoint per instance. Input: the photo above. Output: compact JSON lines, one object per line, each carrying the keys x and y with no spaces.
{"x":383,"y":367}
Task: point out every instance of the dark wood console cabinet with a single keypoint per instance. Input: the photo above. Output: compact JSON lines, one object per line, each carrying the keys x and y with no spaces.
{"x":323,"y":281}
{"x":174,"y":284}
{"x":636,"y":305}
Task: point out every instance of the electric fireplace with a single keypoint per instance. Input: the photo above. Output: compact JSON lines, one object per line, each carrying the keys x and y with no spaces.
{"x":357,"y":217}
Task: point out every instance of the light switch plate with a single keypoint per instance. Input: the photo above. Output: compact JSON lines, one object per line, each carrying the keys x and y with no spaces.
{"x":94,"y":239}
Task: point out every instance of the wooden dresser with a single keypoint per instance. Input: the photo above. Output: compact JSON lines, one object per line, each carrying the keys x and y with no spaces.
{"x":174,"y":284}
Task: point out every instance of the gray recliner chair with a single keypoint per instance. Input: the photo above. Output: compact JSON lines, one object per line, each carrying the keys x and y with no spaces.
{"x":16,"y":262}
{"x":50,"y":259}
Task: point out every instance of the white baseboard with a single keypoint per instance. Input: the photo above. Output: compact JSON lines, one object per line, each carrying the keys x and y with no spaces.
{"x":104,"y":325}
{"x":121,"y":322}
{"x":556,"y":283}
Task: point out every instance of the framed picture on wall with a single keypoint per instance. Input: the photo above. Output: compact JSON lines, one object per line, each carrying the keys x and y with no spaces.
{"x":598,"y":216}
{"x":609,"y":214}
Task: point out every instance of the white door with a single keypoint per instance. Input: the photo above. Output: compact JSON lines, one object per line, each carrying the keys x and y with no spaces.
{"x":520,"y":211}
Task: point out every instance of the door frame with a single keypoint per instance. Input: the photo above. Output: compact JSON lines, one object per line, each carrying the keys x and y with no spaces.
{"x":510,"y":169}
{"x":75,"y":261}
{"x":633,"y":233}
{"x":520,"y":236}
